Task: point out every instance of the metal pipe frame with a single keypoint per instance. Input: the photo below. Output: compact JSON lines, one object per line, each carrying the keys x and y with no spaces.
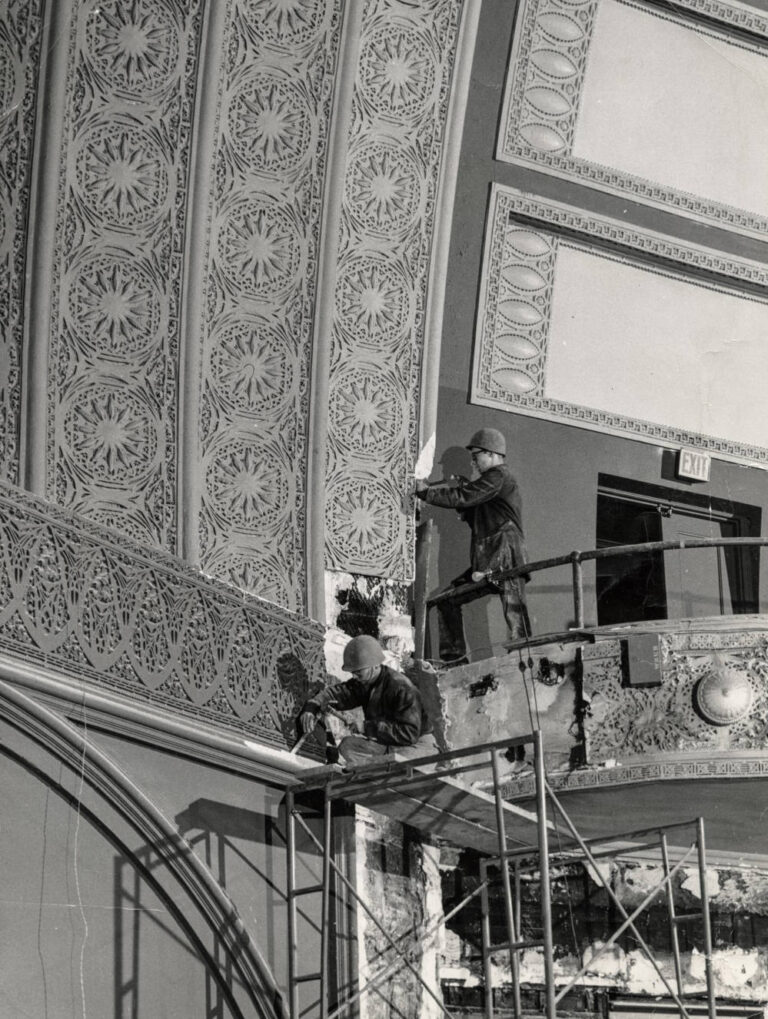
{"x":673,"y":936}
{"x":630,"y":920}
{"x":290,"y":838}
{"x":371,"y":916}
{"x":576,"y":558}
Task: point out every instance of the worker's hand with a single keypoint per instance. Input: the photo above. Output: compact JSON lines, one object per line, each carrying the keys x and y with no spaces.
{"x":307,"y":721}
{"x":371,"y":730}
{"x":420,"y":485}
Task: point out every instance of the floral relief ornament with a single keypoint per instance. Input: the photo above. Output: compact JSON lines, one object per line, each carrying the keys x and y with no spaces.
{"x":269,"y":124}
{"x":133,"y":43}
{"x":110,"y":433}
{"x":398,"y":71}
{"x":115,"y":307}
{"x":123,"y":176}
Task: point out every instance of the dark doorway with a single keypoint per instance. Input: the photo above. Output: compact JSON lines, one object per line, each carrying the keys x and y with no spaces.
{"x":674,"y":584}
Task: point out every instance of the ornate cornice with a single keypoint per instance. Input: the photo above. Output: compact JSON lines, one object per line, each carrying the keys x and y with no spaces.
{"x":519,"y":265}
{"x":95,"y":606}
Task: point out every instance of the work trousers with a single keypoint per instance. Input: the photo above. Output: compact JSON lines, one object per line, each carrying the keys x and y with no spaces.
{"x":453,"y":645}
{"x":359,"y":750}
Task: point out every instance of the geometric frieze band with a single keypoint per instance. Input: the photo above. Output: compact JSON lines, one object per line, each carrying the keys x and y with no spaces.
{"x":648,"y":357}
{"x":109,"y":613}
{"x":567,"y":112}
{"x":397,"y":122}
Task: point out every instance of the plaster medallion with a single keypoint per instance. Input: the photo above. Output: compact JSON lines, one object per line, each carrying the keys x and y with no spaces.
{"x":110,"y":432}
{"x":374,"y":301}
{"x":260,"y":249}
{"x":398,"y":71}
{"x":724,"y":696}
{"x":285,"y":21}
{"x":248,"y":483}
{"x":122,"y":175}
{"x":134,"y":46}
{"x":116,"y":307}
{"x":252,"y":368}
{"x":366,"y":411}
{"x":269,"y":124}
{"x":384,"y":187}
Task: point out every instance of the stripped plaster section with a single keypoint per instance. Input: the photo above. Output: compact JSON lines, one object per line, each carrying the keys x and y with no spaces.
{"x":260,"y":270}
{"x":395,"y":149}
{"x":400,"y":875}
{"x":20,"y":35}
{"x":740,"y":970}
{"x":543,"y":92}
{"x":519,"y":273}
{"x":599,"y":731}
{"x":114,"y":341}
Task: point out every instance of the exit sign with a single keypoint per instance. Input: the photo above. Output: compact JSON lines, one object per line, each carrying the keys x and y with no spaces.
{"x":693,"y":464}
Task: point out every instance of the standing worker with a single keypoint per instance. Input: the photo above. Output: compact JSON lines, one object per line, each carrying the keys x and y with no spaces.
{"x":395,"y":720}
{"x":490,"y":503}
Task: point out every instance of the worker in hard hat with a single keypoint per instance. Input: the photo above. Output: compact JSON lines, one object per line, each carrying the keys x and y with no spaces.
{"x":395,"y":720}
{"x":490,"y":503}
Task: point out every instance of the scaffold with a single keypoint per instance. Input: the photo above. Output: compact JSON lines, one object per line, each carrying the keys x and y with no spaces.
{"x":428,"y":794}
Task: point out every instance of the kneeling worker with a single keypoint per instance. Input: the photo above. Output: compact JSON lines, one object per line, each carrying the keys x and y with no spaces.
{"x":395,"y":720}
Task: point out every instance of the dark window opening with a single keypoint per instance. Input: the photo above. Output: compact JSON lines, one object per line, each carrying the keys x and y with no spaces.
{"x":673,"y":584}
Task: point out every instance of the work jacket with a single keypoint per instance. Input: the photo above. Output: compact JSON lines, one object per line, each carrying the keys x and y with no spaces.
{"x":492,"y":507}
{"x":391,"y":703}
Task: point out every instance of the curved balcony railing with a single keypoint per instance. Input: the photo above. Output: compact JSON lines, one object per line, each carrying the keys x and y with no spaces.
{"x":576,"y":559}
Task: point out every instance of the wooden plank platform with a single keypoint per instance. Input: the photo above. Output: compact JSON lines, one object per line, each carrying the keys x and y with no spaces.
{"x":430,"y":801}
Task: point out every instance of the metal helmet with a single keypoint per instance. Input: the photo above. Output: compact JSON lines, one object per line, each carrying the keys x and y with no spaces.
{"x":489,"y":439}
{"x":362,"y":652}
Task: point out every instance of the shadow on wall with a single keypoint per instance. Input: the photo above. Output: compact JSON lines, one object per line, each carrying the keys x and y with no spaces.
{"x":245,"y":852}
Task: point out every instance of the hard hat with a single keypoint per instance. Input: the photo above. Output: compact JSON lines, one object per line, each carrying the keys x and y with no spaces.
{"x":489,"y":439}
{"x":362,"y":652}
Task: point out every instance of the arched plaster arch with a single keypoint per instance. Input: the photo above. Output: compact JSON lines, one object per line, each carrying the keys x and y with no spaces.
{"x":116,"y":807}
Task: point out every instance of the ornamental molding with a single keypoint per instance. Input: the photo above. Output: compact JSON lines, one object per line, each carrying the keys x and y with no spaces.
{"x":129,"y":83}
{"x":689,"y":768}
{"x":544,"y":83}
{"x":20,"y":38}
{"x":669,"y":718}
{"x":104,"y":611}
{"x":523,"y":235}
{"x":399,"y":111}
{"x":266,"y":146}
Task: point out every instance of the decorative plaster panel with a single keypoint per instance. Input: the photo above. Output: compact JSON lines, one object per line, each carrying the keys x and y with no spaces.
{"x":20,"y":34}
{"x":531,"y":354}
{"x":665,"y":718}
{"x":114,"y":346}
{"x":269,"y":154}
{"x":652,"y":734}
{"x":104,"y":611}
{"x":562,"y":115}
{"x":396,"y":136}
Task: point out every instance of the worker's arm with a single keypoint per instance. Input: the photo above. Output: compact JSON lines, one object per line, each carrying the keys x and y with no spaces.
{"x":466,"y":493}
{"x":342,"y":696}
